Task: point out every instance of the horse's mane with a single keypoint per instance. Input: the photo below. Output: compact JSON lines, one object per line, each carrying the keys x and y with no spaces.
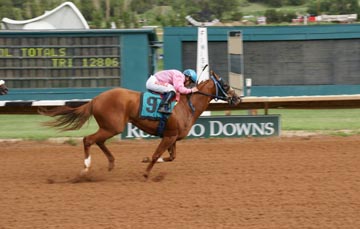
{"x":202,"y":84}
{"x":199,"y":86}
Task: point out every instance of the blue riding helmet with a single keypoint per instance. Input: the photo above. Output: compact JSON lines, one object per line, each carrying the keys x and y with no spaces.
{"x":191,"y":73}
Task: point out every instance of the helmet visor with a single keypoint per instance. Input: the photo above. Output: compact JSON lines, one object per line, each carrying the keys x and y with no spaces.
{"x":190,"y":78}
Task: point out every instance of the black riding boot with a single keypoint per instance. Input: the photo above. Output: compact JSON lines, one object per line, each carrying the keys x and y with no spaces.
{"x":164,"y":106}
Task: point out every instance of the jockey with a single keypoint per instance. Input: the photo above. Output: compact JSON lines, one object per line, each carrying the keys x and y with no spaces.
{"x":171,"y":83}
{"x":3,"y":88}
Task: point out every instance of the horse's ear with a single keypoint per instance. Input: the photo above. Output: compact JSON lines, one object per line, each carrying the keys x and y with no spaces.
{"x":216,"y":75}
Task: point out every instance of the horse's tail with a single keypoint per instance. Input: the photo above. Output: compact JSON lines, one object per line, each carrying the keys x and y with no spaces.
{"x":68,"y":118}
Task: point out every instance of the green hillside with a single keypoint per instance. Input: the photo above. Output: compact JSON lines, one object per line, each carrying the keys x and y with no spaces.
{"x":138,"y":13}
{"x":259,"y":9}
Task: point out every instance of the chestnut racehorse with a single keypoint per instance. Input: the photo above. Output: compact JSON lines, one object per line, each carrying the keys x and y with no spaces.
{"x":114,"y":108}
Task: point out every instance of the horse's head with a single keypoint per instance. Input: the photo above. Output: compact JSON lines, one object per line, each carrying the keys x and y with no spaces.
{"x":3,"y":88}
{"x":222,"y":90}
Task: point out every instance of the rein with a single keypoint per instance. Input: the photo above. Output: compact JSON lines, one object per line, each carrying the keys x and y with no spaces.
{"x":211,"y":95}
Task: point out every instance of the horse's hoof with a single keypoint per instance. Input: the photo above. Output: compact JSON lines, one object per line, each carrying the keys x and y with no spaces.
{"x":145,"y":160}
{"x":84,"y":171}
{"x":111,"y":166}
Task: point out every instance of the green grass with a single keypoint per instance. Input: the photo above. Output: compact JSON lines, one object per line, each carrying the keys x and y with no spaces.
{"x":30,"y":127}
{"x":340,"y":122}
{"x":315,"y":120}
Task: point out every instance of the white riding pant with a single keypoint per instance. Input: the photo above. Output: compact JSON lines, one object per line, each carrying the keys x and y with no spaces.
{"x":154,"y":85}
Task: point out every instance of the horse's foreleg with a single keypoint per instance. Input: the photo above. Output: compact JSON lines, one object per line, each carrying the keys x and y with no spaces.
{"x":165,"y":143}
{"x":172,"y":153}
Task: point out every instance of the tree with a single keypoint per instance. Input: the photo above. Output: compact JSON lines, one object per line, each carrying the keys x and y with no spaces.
{"x":272,"y":16}
{"x":141,"y":6}
{"x":207,"y":10}
{"x":221,"y":7}
{"x":295,"y":2}
{"x":5,"y":8}
{"x":287,"y":16}
{"x":344,"y":6}
{"x":97,"y":19}
{"x":86,"y":9}
{"x":274,"y":3}
{"x":318,"y":7}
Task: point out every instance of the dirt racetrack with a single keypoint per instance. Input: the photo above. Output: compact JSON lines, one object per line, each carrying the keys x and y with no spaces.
{"x":285,"y":182}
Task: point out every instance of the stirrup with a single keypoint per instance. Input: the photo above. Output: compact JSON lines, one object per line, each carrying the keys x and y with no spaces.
{"x":164,"y":110}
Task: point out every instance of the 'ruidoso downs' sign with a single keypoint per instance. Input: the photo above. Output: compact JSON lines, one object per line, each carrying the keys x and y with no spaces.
{"x":222,"y":126}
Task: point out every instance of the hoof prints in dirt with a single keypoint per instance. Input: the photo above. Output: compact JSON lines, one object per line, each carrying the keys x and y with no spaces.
{"x":83,"y":179}
{"x":159,"y":177}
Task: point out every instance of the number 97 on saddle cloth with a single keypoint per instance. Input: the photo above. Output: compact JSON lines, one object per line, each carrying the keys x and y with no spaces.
{"x":149,"y":104}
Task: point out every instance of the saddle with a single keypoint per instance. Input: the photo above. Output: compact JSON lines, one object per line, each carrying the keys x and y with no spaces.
{"x":149,"y":104}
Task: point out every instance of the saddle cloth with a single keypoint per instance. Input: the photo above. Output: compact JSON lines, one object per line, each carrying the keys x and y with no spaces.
{"x":149,"y":105}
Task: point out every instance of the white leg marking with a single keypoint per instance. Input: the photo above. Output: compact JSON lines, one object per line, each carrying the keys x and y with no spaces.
{"x":160,"y":160}
{"x":87,"y":162}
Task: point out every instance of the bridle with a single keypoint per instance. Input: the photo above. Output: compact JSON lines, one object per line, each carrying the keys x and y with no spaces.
{"x":221,"y":93}
{"x":220,"y":90}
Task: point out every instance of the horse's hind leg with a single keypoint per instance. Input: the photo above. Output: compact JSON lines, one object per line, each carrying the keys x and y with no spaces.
{"x":99,"y":138}
{"x":108,"y":154}
{"x":87,"y":161}
{"x":172,"y":153}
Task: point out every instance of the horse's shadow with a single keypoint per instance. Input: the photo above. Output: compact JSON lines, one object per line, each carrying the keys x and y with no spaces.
{"x":96,"y":177}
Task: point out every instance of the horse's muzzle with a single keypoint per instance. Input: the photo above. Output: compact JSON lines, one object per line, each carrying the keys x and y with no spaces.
{"x":235,"y":100}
